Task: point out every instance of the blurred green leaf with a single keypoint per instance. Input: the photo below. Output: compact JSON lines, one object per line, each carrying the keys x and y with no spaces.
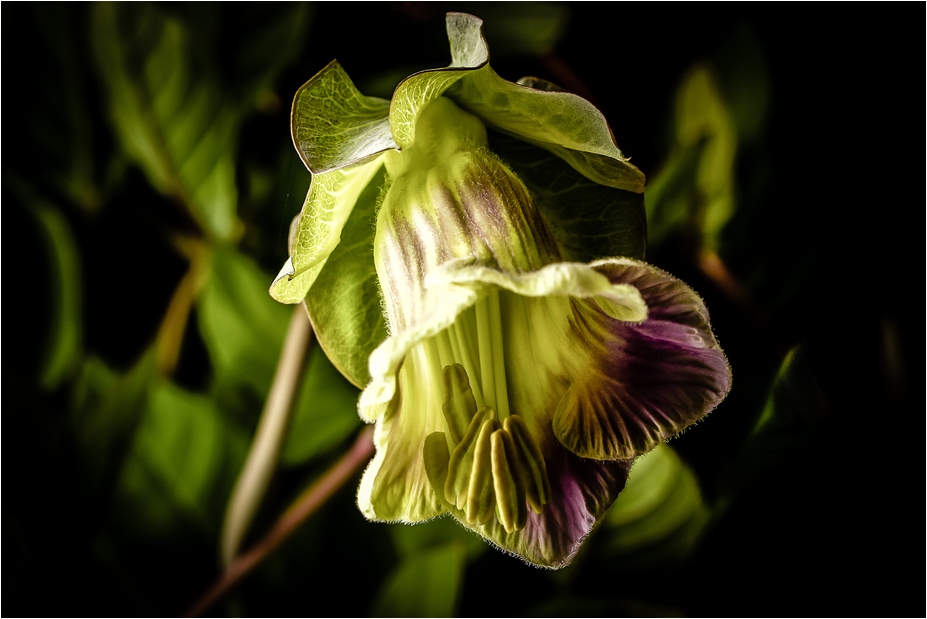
{"x":720,"y":106}
{"x":795,"y":402}
{"x":744,"y":80}
{"x":522,"y":27}
{"x":169,"y":112}
{"x":794,"y":409}
{"x":695,"y":190}
{"x":181,"y":464}
{"x":242,"y":327}
{"x":273,"y":34}
{"x":106,"y":408}
{"x":71,"y":170}
{"x":659,"y":516}
{"x":62,"y":337}
{"x":702,"y":114}
{"x":423,"y":585}
{"x":325,"y":414}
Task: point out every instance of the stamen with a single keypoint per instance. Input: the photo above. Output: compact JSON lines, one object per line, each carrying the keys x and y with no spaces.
{"x":460,"y":466}
{"x":459,"y":404}
{"x":494,"y":467}
{"x":481,"y":501}
{"x":508,"y":485}
{"x":530,"y":462}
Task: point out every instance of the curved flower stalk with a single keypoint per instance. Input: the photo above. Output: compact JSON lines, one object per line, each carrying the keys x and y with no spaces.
{"x":515,"y":352}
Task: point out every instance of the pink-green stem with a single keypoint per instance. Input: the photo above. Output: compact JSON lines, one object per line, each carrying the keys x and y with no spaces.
{"x":310,"y":500}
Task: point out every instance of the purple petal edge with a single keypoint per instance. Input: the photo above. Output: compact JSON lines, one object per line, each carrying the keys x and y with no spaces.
{"x":651,"y":380}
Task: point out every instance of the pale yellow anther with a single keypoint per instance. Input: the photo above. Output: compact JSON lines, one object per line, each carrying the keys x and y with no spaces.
{"x":529,"y":462}
{"x":494,"y":467}
{"x":459,"y":404}
{"x":460,"y":466}
{"x":507,"y":483}
{"x":480,"y":496}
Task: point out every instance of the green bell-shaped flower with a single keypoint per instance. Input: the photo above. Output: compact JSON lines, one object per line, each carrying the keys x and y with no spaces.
{"x":522,"y":365}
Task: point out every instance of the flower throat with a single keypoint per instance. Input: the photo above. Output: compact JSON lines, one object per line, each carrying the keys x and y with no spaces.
{"x":495,"y":466}
{"x":450,"y":201}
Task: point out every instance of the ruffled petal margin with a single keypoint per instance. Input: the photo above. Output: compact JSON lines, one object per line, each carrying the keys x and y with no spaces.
{"x":647,"y":381}
{"x":595,"y":390}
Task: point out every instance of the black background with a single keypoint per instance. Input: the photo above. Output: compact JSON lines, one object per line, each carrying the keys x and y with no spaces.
{"x":829,"y":531}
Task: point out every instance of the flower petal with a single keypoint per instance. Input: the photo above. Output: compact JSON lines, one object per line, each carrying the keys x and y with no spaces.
{"x":394,"y":486}
{"x":646,"y":382}
{"x":566,"y":494}
{"x":387,"y":359}
{"x":564,"y":279}
{"x":581,"y":492}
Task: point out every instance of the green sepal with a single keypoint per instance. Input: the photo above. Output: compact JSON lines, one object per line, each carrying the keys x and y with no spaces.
{"x":469,"y":53}
{"x":328,"y":205}
{"x":344,"y":306}
{"x":589,"y":220}
{"x":334,"y":125}
{"x":563,"y":123}
{"x":340,"y":134}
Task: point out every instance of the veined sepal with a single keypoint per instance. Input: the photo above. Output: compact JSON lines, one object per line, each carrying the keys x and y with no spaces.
{"x":328,"y":204}
{"x":337,"y":130}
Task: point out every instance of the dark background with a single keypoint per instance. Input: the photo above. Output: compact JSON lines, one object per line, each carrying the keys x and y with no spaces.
{"x":825,"y":244}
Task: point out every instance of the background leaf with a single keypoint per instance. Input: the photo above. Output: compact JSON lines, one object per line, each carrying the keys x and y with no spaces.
{"x":696,"y":189}
{"x":62,"y":340}
{"x":179,"y":463}
{"x":169,"y":112}
{"x":411,"y":541}
{"x":819,"y":121}
{"x":436,"y":575}
{"x":658,"y":518}
{"x":241,"y":326}
{"x":106,"y":411}
{"x":325,"y":413}
{"x":794,"y":408}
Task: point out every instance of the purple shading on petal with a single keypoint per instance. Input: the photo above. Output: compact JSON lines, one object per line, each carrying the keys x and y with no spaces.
{"x":581,"y":492}
{"x":650,"y":380}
